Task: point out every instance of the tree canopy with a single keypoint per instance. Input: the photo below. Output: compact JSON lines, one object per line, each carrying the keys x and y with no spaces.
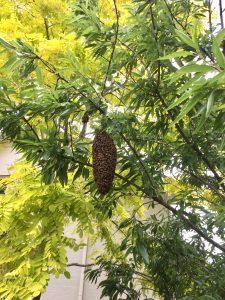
{"x":151,"y":75}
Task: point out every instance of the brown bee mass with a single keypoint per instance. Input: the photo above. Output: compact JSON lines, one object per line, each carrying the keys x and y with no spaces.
{"x":104,"y":161}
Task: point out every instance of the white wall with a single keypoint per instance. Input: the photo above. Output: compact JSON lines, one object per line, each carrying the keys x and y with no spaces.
{"x":7,"y":158}
{"x":67,"y":289}
{"x":75,"y":288}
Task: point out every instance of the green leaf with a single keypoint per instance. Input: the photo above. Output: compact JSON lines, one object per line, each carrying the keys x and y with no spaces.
{"x":188,"y":85}
{"x":186,"y":39}
{"x":125,"y":223}
{"x":210,"y":103}
{"x":194,"y":68}
{"x":35,"y":294}
{"x":194,"y":32}
{"x":176,"y":54}
{"x":201,"y":121}
{"x":218,"y":54}
{"x":73,"y":59}
{"x":180,"y":100}
{"x":78,"y":173}
{"x":39,"y":74}
{"x":144,"y":253}
{"x":68,"y":151}
{"x":6,"y":44}
{"x":67,"y":274}
{"x":52,"y":208}
{"x":11,"y":64}
{"x":220,"y":120}
{"x":219,"y":37}
{"x":217,"y":79}
{"x":191,"y":103}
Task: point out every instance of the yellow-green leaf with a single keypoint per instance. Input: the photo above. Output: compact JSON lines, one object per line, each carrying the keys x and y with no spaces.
{"x":186,"y":39}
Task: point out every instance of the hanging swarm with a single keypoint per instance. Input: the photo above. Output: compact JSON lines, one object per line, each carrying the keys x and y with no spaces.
{"x":104,"y":161}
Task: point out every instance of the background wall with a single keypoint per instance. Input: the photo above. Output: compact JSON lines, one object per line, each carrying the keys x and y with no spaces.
{"x":7,"y":158}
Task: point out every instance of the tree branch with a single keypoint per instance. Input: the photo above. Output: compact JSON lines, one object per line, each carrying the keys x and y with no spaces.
{"x":92,"y":265}
{"x":80,"y":265}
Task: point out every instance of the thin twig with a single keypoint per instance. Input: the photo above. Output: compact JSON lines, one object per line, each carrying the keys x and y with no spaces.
{"x":222,"y":23}
{"x":46,"y":28}
{"x":210,"y":17}
{"x":114,"y":45}
{"x":4,"y":234}
{"x":155,"y":34}
{"x":174,"y":18}
{"x":221,"y":14}
{"x":32,"y":129}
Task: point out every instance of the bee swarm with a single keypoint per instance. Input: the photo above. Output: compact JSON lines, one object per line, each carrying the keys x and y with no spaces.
{"x":104,"y":161}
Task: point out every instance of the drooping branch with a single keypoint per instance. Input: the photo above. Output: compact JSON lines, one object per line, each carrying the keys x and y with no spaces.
{"x":50,"y":68}
{"x":159,"y":200}
{"x":209,"y":185}
{"x":174,"y":18}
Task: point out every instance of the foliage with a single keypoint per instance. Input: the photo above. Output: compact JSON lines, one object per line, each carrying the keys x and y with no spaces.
{"x":153,"y":78}
{"x":33,"y":219}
